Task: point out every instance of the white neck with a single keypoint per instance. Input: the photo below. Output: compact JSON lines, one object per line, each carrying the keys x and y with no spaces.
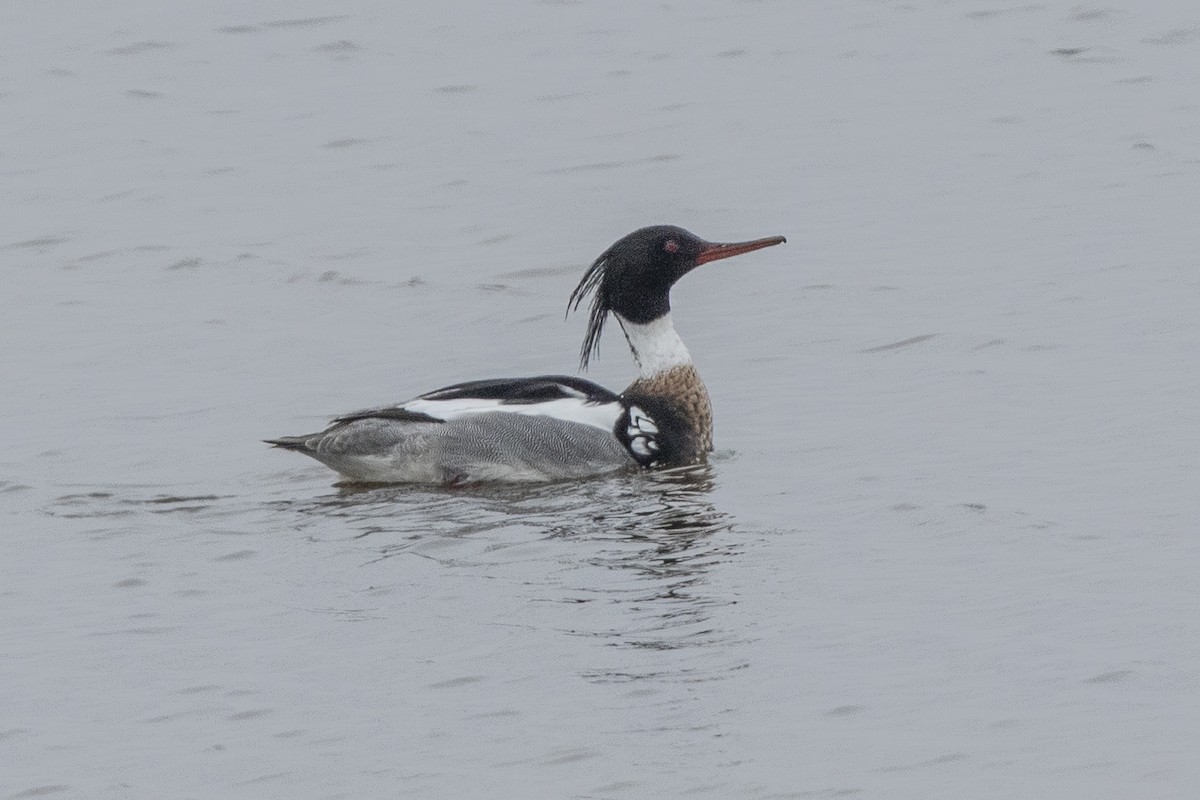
{"x":656,"y":346}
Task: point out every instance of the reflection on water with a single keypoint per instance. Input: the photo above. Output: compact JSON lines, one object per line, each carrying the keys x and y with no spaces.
{"x":632,"y":556}
{"x":645,"y":543}
{"x":669,"y":511}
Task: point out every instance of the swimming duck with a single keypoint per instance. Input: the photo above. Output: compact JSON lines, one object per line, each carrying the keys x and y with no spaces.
{"x":554,"y":427}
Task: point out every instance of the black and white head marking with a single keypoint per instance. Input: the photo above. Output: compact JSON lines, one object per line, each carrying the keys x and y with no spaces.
{"x":633,"y":277}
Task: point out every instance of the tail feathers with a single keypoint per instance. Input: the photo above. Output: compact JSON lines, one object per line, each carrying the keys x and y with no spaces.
{"x":290,"y":442}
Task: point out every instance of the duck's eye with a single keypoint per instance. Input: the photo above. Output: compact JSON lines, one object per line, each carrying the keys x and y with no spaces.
{"x":671,"y":246}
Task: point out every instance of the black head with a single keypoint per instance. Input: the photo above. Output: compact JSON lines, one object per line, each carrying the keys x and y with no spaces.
{"x":634,"y":277}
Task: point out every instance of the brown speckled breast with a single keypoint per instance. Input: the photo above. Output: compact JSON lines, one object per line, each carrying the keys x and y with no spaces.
{"x":677,"y":400}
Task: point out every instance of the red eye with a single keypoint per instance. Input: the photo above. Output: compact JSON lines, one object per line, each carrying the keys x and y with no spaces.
{"x":671,"y":246}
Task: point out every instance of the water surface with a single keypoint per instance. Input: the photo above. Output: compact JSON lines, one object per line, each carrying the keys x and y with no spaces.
{"x":946,"y":547}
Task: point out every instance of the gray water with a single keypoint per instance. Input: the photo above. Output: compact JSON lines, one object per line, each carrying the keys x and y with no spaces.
{"x":946,"y":547}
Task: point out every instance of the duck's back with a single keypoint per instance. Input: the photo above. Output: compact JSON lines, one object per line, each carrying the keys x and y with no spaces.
{"x":528,"y":429}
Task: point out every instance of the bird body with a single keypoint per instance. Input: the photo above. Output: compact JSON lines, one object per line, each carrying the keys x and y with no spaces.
{"x":553,"y":427}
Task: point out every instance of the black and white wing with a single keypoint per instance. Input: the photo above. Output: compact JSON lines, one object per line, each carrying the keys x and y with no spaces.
{"x":526,"y":429}
{"x":561,"y":397}
{"x":641,"y":436}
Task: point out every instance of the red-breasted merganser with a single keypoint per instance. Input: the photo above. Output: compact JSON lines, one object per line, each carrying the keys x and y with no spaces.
{"x":554,"y":427}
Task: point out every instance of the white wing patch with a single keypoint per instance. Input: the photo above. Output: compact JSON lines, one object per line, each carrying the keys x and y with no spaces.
{"x":641,"y":432}
{"x":572,"y":392}
{"x":568,"y":409}
{"x":640,"y":422}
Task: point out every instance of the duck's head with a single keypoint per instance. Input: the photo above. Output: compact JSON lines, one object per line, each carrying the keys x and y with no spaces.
{"x":633,"y":278}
